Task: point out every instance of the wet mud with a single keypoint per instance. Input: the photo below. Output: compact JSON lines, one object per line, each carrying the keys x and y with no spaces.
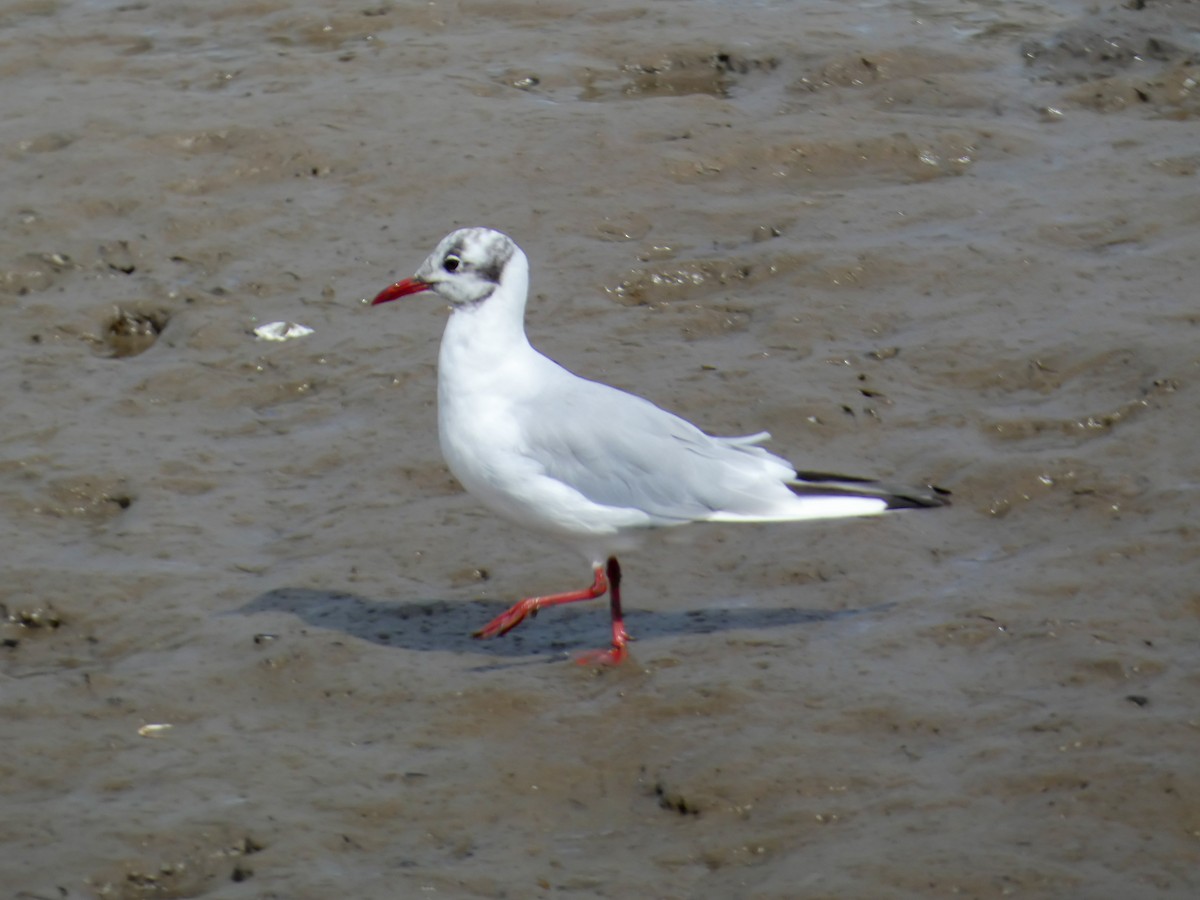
{"x":938,"y":243}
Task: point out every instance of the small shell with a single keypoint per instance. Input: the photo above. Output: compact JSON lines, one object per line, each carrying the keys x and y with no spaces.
{"x":156,"y":730}
{"x":281,"y":331}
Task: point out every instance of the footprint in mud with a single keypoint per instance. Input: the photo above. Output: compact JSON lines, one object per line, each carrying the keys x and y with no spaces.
{"x":130,"y":332}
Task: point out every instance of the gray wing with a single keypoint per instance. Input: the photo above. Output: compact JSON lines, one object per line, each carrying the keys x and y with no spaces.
{"x":619,"y":450}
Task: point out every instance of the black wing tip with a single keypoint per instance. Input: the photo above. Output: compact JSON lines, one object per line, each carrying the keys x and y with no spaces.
{"x":821,"y":477}
{"x":929,"y":496}
{"x":933,"y":498}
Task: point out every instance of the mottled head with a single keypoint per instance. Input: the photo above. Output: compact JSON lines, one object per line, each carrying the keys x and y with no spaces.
{"x":466,"y":268}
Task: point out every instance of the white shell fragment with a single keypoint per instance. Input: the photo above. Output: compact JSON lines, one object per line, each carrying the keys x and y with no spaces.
{"x":155,"y":730}
{"x":281,"y":331}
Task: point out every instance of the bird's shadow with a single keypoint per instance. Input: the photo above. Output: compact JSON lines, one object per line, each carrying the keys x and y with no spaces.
{"x":447,"y":625}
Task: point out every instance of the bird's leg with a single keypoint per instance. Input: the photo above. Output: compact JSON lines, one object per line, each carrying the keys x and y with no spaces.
{"x":616,"y":654}
{"x":516,"y":614}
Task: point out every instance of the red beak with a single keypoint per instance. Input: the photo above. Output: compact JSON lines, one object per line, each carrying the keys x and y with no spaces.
{"x":400,"y":289}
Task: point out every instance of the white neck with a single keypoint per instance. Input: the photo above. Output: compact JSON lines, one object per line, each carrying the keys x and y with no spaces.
{"x":482,"y":338}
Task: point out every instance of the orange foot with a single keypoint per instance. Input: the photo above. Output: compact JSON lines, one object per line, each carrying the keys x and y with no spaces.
{"x":614,"y":656}
{"x":509,"y":619}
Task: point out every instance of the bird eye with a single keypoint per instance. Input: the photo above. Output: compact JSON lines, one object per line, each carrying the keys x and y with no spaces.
{"x":451,"y":263}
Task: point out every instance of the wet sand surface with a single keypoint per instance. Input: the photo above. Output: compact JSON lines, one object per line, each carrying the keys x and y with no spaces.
{"x":947,"y":242}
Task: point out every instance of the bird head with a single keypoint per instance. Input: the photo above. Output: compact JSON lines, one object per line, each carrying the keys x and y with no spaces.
{"x":465,"y":269}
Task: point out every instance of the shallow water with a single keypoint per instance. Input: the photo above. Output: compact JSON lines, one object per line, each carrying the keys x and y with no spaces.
{"x":953,"y":242}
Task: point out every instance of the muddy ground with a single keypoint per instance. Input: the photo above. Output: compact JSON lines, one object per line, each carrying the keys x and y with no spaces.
{"x":951,"y":242}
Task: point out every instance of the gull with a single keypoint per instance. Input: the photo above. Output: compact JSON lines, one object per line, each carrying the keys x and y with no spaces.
{"x":583,"y":463}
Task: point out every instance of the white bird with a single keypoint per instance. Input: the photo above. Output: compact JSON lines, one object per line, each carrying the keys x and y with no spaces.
{"x":582,"y":462}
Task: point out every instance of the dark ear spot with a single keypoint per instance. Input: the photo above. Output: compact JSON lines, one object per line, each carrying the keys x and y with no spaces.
{"x":500,"y":251}
{"x":493,"y":270}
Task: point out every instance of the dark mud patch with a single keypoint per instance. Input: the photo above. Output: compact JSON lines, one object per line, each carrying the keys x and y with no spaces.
{"x":1175,"y":93}
{"x":90,"y":498}
{"x":877,"y":67}
{"x":19,"y":621}
{"x":197,"y":869}
{"x":1131,"y":57}
{"x":1122,"y":40}
{"x":676,"y":73}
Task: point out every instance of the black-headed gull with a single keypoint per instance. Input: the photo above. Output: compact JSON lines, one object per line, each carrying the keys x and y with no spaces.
{"x":582,"y":462}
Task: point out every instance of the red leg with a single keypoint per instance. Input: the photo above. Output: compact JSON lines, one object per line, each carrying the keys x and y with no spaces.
{"x":616,"y":654}
{"x":516,"y":614}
